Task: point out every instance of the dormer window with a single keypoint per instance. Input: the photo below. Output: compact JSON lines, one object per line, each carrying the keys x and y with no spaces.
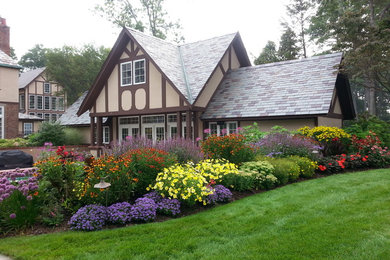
{"x":46,"y":87}
{"x":126,"y":73}
{"x":133,"y":72}
{"x":139,"y":71}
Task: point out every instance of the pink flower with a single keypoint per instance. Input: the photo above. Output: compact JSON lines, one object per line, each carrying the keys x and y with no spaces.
{"x":13,"y":215}
{"x":224,"y":131}
{"x":207,"y":131}
{"x":29,"y":197}
{"x":198,"y":139}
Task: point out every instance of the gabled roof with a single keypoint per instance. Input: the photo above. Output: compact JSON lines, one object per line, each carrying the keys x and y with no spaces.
{"x":70,"y":116}
{"x":290,"y":88}
{"x":187,"y":66}
{"x":7,"y":61}
{"x":29,"y":76}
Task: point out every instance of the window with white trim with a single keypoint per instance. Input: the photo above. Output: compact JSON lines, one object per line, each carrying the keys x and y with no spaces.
{"x":106,"y":134}
{"x":27,"y":128}
{"x":40,"y":115}
{"x":53,"y":103}
{"x":53,"y":118}
{"x":31,"y":114}
{"x":46,"y":87}
{"x":39,"y":102}
{"x":31,"y":102}
{"x":126,"y":73}
{"x":47,"y":103}
{"x":47,"y":117}
{"x":139,"y":71}
{"x":223,"y":129}
{"x":61,"y":105}
{"x":22,"y":101}
{"x":1,"y":122}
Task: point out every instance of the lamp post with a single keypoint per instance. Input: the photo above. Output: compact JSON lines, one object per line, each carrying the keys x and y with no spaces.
{"x":103,"y":185}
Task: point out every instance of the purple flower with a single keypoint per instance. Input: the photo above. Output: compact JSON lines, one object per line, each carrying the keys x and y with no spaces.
{"x":119,"y":213}
{"x":12,"y":216}
{"x":29,"y":197}
{"x":220,"y":194}
{"x":170,"y":207}
{"x":22,"y":207}
{"x":48,"y":144}
{"x":88,"y":218}
{"x":144,"y":210}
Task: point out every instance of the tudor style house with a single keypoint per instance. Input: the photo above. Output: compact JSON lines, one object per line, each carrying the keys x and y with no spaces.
{"x":9,"y":73}
{"x":39,"y":99}
{"x":159,"y":90}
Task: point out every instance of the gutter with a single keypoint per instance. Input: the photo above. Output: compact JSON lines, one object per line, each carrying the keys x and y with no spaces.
{"x":10,"y":66}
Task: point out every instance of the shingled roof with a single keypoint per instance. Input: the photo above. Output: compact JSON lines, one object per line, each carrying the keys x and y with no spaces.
{"x":7,"y":61}
{"x":27,"y":77}
{"x":290,"y":88}
{"x":70,"y":116}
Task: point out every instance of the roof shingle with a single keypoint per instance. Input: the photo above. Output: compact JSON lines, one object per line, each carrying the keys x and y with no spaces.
{"x":27,"y":77}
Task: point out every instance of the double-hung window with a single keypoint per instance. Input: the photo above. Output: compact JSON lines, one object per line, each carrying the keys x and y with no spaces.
{"x":28,"y":128}
{"x":61,"y":104}
{"x":31,"y":102}
{"x":1,"y":122}
{"x":22,"y":101}
{"x":106,"y":135}
{"x":47,"y":103}
{"x":39,"y":102}
{"x":53,"y":103}
{"x":46,"y":88}
{"x":126,"y":74}
{"x":139,"y":71}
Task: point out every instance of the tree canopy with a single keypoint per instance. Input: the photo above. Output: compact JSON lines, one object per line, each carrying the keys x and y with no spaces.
{"x":34,"y":58}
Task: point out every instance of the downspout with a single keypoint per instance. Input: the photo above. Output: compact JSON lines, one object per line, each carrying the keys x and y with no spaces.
{"x":185,"y":77}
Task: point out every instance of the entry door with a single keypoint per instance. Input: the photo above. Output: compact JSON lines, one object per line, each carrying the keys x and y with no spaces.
{"x":155,"y":132}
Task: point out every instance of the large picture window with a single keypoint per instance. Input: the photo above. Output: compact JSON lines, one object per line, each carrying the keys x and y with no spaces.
{"x":139,"y":71}
{"x":126,"y":74}
{"x":1,"y":122}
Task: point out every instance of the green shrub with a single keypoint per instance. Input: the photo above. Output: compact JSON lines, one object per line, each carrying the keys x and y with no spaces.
{"x":252,"y":133}
{"x":285,"y":169}
{"x":307,"y":167}
{"x":239,"y":182}
{"x":72,"y":136}
{"x":15,"y":142}
{"x":231,"y":147}
{"x":262,"y":173}
{"x":49,"y":132}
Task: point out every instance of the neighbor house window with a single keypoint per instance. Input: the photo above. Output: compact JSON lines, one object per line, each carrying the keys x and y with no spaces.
{"x":46,"y":87}
{"x":47,"y":103}
{"x":61,"y":106}
{"x":1,"y":122}
{"x":126,"y":74}
{"x":31,"y":114}
{"x":31,"y":102}
{"x":139,"y":71}
{"x":28,"y":128}
{"x":106,"y":134}
{"x":47,"y":117}
{"x":53,"y":117}
{"x":39,"y":102}
{"x":40,"y":115}
{"x":53,"y":103}
{"x":22,"y":101}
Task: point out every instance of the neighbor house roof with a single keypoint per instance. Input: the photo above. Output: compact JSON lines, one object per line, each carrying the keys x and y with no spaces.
{"x":70,"y":116}
{"x":27,"y":77}
{"x":187,"y":66}
{"x":29,"y":117}
{"x":7,"y":61}
{"x":289,"y":88}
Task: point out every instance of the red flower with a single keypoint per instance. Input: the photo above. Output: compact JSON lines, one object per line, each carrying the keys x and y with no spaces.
{"x":364,"y":159}
{"x":212,"y":182}
{"x":322,"y":167}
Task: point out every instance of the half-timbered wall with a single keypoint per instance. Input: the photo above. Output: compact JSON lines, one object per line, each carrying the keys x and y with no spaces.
{"x":156,"y":95}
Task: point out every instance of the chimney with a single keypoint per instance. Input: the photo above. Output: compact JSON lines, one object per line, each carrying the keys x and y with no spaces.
{"x":4,"y":37}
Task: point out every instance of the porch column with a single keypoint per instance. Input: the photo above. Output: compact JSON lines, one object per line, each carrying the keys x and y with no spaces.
{"x":188,"y":124}
{"x":196,"y":122}
{"x":179,"y":132}
{"x":92,"y":130}
{"x":99,"y":131}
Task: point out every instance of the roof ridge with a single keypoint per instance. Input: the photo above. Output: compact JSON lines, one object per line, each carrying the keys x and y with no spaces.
{"x":208,"y":39}
{"x":151,"y":36}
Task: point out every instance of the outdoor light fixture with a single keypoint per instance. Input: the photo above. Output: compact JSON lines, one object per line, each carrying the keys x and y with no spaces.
{"x":102,"y":184}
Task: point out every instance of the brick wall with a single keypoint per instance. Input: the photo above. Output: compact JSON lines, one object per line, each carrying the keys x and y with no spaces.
{"x":11,"y":120}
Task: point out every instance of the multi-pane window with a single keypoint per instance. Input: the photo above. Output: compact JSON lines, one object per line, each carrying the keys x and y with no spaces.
{"x":223,"y":129}
{"x":106,"y":135}
{"x":39,"y":102}
{"x":149,"y":132}
{"x":125,"y":133}
{"x":31,"y":114}
{"x":160,"y":133}
{"x":1,"y":122}
{"x":153,"y":119}
{"x":31,"y":102}
{"x":128,"y":120}
{"x":28,"y":128}
{"x":173,"y":131}
{"x":47,"y":117}
{"x":47,"y":103}
{"x":139,"y":71}
{"x":172,"y":118}
{"x":22,"y":101}
{"x":53,"y":117}
{"x":126,"y":73}
{"x":40,"y":115}
{"x":53,"y":103}
{"x":61,"y":105}
{"x":134,"y":132}
{"x":46,"y":87}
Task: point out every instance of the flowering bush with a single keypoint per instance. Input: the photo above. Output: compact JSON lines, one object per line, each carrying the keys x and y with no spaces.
{"x":252,"y":133}
{"x":184,"y":149}
{"x":333,"y":139}
{"x":339,"y":163}
{"x":165,"y":206}
{"x":285,"y":144}
{"x":220,"y":194}
{"x":307,"y":167}
{"x":144,"y":210}
{"x":231,"y":147}
{"x":89,"y":218}
{"x":119,"y":213}
{"x":188,"y":183}
{"x":261,"y":172}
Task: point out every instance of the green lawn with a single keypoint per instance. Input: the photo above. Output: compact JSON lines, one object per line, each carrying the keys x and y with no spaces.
{"x":339,"y":217}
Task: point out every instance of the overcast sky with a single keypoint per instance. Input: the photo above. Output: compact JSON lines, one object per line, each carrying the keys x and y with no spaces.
{"x":55,"y":23}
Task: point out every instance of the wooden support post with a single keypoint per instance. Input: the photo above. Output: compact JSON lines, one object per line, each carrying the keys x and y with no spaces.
{"x":188,"y":124}
{"x":196,"y":124}
{"x":99,"y":131}
{"x":179,"y":126}
{"x":92,"y":130}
